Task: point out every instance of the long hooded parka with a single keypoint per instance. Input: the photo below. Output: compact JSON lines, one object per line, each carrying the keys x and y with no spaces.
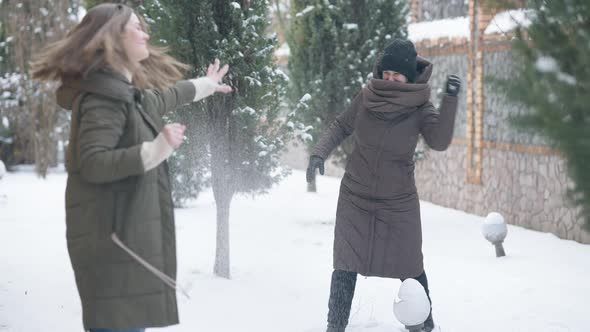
{"x":108,"y":190}
{"x":378,"y":228}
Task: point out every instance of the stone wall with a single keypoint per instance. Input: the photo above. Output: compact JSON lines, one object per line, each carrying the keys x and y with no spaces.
{"x":444,"y":65}
{"x":498,"y":111}
{"x":491,"y":165}
{"x":521,"y":178}
{"x":528,"y":189}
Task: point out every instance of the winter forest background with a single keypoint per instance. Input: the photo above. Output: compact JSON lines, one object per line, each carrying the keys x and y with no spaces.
{"x":521,"y":145}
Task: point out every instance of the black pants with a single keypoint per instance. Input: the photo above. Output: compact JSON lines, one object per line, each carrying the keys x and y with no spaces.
{"x":342,"y":292}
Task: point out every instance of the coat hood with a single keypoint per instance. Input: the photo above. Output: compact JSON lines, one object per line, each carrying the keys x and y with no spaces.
{"x":103,"y":82}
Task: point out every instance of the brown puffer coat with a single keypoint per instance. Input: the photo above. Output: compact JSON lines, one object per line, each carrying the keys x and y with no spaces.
{"x":378,"y":229}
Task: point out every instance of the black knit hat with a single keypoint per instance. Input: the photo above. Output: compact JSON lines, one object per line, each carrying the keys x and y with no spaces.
{"x":400,"y":56}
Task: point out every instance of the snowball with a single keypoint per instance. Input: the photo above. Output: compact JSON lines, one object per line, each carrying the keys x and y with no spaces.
{"x":494,"y":229}
{"x":411,"y":306}
{"x":494,"y":218}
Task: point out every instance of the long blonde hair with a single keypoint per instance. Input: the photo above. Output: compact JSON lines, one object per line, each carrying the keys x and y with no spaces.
{"x":96,"y":43}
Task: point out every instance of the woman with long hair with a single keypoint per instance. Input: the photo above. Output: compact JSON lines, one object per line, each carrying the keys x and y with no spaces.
{"x":119,"y":212}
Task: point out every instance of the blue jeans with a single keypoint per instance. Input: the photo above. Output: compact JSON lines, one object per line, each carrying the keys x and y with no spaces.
{"x":109,"y":330}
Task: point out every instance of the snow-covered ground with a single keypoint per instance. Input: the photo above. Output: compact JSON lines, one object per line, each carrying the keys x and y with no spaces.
{"x":281,"y":261}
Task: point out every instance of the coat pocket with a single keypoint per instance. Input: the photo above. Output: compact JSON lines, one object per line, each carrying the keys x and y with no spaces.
{"x":79,"y":220}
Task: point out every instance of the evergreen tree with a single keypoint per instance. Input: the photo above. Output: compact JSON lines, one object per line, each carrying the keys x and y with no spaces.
{"x":237,"y":138}
{"x":334,"y":45}
{"x":553,"y":82}
{"x":188,"y":165}
{"x":170,"y":27}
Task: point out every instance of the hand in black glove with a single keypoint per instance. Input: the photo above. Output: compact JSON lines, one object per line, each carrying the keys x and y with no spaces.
{"x":315,"y":162}
{"x":453,"y":85}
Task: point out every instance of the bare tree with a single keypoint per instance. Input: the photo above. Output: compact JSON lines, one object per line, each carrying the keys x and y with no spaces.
{"x":30,"y":107}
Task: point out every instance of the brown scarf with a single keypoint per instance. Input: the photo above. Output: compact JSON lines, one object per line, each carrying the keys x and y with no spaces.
{"x":387,"y":96}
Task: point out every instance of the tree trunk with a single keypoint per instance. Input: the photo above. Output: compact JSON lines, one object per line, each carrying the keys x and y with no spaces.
{"x":222,"y":183}
{"x":222,"y":257}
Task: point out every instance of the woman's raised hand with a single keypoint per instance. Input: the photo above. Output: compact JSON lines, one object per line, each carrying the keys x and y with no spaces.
{"x":216,"y":74}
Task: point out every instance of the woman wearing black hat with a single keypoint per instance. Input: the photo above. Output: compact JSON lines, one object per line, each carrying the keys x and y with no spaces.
{"x":378,"y":228}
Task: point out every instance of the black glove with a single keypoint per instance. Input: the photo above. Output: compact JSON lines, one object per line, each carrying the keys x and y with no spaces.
{"x":453,"y":85}
{"x":315,"y":162}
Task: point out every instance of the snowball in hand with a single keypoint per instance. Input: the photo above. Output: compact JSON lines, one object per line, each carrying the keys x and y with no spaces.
{"x":411,"y":307}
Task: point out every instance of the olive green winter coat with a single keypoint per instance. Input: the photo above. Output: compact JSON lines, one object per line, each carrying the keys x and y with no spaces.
{"x":109,"y":191}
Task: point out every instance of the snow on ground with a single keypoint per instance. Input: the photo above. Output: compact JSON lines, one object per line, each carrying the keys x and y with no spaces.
{"x":281,"y":264}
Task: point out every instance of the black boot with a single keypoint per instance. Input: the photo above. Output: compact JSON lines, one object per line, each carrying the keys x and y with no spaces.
{"x":415,"y":328}
{"x":429,"y":324}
